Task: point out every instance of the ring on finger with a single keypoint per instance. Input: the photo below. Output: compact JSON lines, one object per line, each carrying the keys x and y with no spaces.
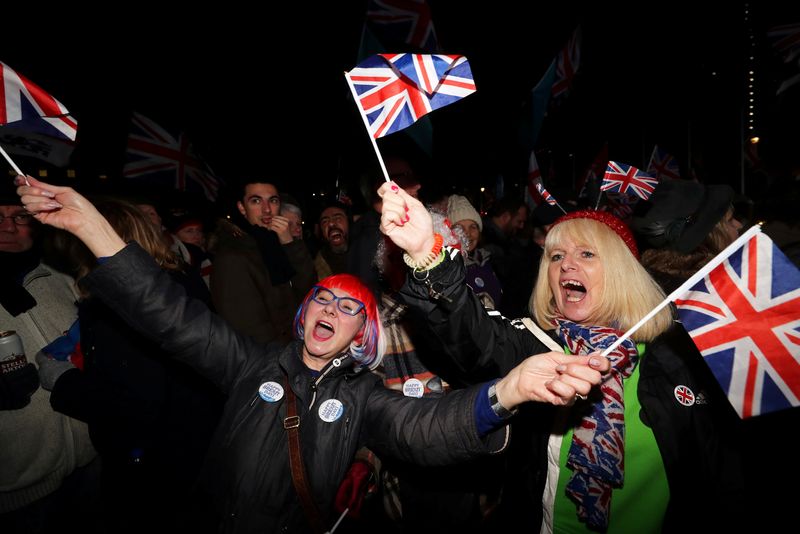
{"x":578,"y":396}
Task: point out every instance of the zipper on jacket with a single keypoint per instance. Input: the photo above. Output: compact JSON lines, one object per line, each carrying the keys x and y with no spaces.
{"x":335,"y":363}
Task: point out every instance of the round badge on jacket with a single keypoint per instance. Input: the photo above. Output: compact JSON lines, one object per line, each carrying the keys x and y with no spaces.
{"x":413,"y":387}
{"x":270,"y":391}
{"x":684,"y":395}
{"x":331,"y":410}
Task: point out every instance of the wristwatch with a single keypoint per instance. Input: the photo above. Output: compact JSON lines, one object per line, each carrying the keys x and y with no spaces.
{"x":498,"y":409}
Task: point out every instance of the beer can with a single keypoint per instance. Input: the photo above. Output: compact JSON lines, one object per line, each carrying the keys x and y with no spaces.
{"x":12,"y":355}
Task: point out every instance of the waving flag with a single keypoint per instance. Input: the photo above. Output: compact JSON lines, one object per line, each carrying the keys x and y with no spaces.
{"x":744,"y":317}
{"x":786,"y":43}
{"x":627,"y":179}
{"x":567,"y":63}
{"x":31,"y":108}
{"x":403,"y":21}
{"x":532,"y":196}
{"x":156,"y":155}
{"x":663,"y":165}
{"x":395,"y":90}
{"x":545,"y":194}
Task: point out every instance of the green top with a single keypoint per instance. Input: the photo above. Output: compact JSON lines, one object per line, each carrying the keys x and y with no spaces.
{"x":639,"y":506}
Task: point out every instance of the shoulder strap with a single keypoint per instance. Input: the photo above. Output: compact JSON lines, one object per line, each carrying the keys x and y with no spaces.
{"x":541,"y":336}
{"x":292,"y":426}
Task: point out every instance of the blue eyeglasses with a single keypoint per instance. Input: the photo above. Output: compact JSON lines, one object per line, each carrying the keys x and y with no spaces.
{"x":346,"y":305}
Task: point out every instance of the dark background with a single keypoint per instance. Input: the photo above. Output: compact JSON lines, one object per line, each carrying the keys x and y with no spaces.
{"x":260,"y":91}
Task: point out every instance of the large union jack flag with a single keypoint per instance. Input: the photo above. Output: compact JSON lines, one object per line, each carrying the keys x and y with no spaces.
{"x":403,"y":21}
{"x":744,"y":317}
{"x":622,"y":178}
{"x":156,"y":155}
{"x":567,"y":63}
{"x":663,"y":165}
{"x":395,"y":90}
{"x":31,"y":108}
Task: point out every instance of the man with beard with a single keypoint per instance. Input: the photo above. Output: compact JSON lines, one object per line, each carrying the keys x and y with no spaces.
{"x":334,"y":225}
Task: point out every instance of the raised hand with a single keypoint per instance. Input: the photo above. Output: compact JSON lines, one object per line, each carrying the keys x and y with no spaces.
{"x":65,"y":208}
{"x":406,"y":221}
{"x":551,"y":377}
{"x":280,"y":225}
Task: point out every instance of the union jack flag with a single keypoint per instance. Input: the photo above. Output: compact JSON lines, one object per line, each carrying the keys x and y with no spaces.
{"x":622,"y":178}
{"x":158,"y":156}
{"x":395,"y":90}
{"x":25,"y":103}
{"x":744,"y":317}
{"x":545,"y":194}
{"x":567,"y":63}
{"x":663,"y":165}
{"x":403,"y":21}
{"x":532,"y":196}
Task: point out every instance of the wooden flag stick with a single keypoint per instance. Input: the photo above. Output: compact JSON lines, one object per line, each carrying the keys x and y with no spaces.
{"x":366,"y":125}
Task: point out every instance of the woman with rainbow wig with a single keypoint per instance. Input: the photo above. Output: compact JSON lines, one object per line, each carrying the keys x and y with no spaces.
{"x":247,"y":484}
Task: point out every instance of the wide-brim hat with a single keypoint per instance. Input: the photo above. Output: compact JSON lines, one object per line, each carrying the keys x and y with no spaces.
{"x":682,"y":214}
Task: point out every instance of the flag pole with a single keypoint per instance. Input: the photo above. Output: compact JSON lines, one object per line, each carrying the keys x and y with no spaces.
{"x":366,"y":125}
{"x":11,"y":162}
{"x":688,"y":284}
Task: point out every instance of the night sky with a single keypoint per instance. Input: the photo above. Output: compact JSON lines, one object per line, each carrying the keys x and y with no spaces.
{"x":256,"y":103}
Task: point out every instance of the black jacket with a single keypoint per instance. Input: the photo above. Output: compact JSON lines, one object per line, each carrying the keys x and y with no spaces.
{"x":697,"y":443}
{"x":247,"y":480}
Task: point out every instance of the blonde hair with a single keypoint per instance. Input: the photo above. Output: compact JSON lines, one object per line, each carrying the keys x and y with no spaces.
{"x":628,"y":293}
{"x":718,"y":238}
{"x":131,"y":225}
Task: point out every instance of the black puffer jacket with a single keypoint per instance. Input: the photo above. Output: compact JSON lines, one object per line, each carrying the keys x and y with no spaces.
{"x":248,"y":481}
{"x":697,"y":443}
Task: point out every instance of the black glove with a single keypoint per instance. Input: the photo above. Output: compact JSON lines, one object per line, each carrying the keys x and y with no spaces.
{"x":17,"y":386}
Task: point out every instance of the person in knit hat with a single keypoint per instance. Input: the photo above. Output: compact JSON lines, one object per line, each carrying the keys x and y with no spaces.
{"x":40,"y":449}
{"x":466,"y":223}
{"x":621,"y":458}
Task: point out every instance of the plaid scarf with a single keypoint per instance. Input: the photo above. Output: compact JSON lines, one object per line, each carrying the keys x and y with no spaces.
{"x":597,"y":452}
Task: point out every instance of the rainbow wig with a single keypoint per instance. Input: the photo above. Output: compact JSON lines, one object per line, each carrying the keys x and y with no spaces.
{"x":369,"y":345}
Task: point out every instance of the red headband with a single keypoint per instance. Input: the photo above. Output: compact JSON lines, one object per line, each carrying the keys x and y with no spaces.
{"x":610,"y":220}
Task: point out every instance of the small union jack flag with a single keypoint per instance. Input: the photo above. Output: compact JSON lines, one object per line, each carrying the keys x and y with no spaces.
{"x":532,"y":196}
{"x":545,"y":194}
{"x":744,"y":317}
{"x":622,"y":178}
{"x":663,"y":165}
{"x":158,"y":156}
{"x":31,"y":108}
{"x":403,"y":21}
{"x":395,"y":90}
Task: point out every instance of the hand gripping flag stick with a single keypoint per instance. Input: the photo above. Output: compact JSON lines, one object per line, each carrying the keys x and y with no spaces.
{"x":688,"y":284}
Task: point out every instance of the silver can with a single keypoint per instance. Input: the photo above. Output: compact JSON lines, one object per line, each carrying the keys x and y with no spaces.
{"x":12,"y":354}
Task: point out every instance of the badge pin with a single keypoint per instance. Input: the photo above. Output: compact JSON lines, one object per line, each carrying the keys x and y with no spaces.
{"x":270,"y":391}
{"x":684,"y":395}
{"x":331,"y":410}
{"x":479,"y":281}
{"x":413,"y":388}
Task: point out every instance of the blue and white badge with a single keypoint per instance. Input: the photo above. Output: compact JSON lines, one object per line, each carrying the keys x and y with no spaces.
{"x":413,"y":388}
{"x":270,"y":391}
{"x":331,"y":410}
{"x":479,"y":281}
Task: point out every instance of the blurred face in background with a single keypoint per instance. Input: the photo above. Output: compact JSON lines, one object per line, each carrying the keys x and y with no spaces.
{"x":334,"y":227}
{"x":295,"y":224}
{"x":260,"y":203}
{"x":192,"y":234}
{"x":472,"y":232}
{"x":152,"y":215}
{"x":518,"y":220}
{"x":16,"y":237}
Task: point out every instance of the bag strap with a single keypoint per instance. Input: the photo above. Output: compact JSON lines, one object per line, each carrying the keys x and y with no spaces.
{"x":541,"y":336}
{"x":292,"y":426}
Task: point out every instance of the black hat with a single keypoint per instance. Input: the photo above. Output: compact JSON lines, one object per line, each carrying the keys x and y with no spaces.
{"x":682,"y":214}
{"x":8,"y":192}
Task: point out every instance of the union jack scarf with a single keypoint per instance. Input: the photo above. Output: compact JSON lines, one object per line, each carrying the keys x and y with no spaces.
{"x":597,"y":452}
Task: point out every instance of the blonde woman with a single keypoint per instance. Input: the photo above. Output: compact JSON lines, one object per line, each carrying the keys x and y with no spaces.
{"x":622,"y":459}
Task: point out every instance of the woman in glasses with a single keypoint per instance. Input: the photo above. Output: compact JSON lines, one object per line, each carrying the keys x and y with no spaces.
{"x":249,"y":483}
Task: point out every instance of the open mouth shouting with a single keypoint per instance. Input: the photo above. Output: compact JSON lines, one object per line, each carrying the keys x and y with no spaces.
{"x":574,"y":291}
{"x":323,"y":331}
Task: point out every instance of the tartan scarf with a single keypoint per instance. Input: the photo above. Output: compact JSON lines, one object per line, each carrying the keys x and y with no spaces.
{"x":597,"y":451}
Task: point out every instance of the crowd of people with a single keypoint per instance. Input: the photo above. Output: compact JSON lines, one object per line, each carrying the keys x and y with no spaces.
{"x":420,"y":366}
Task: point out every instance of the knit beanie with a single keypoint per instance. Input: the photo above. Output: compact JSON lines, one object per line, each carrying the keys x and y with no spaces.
{"x":459,"y":209}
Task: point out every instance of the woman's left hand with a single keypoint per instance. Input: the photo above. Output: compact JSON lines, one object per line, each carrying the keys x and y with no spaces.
{"x":551,"y":377}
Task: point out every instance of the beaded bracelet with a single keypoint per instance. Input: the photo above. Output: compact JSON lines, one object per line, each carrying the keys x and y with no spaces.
{"x":430,"y":259}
